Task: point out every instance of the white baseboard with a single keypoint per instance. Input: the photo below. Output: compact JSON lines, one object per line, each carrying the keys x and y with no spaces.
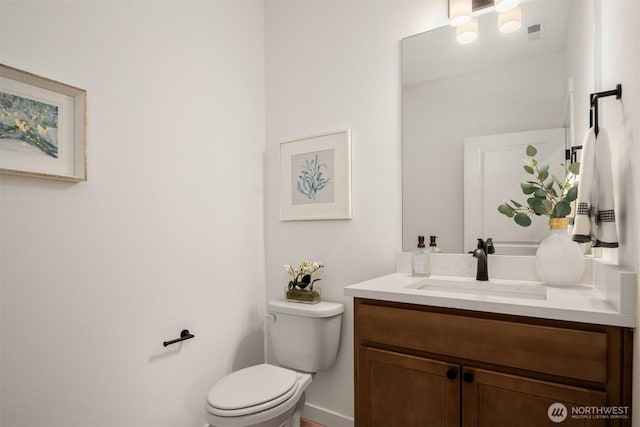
{"x":326,"y":417}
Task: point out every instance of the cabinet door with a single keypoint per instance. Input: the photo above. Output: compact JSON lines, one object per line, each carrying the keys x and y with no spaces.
{"x":491,"y":399}
{"x":399,"y":390}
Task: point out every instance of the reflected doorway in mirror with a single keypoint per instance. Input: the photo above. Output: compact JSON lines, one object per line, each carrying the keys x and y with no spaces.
{"x":493,"y":170}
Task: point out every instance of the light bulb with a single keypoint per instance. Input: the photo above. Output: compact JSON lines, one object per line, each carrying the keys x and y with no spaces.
{"x":467,"y":33}
{"x":510,"y":21}
{"x":459,"y":12}
{"x":506,"y":5}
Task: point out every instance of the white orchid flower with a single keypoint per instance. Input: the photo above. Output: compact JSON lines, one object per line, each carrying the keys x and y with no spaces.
{"x":304,"y":264}
{"x":307,"y":268}
{"x":289,"y":269}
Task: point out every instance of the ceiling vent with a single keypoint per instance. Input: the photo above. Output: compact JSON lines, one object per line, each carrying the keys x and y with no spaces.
{"x":534,"y":32}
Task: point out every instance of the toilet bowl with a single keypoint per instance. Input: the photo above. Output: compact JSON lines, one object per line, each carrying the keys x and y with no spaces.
{"x":305,"y":340}
{"x":259,"y":396}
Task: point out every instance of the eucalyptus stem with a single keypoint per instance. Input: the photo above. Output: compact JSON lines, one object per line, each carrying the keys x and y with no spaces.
{"x":544,"y":200}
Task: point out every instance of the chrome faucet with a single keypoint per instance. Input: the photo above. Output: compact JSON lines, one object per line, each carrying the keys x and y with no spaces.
{"x":485,"y":247}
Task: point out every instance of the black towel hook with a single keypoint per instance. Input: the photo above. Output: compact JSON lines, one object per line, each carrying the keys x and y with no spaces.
{"x":594,"y":112}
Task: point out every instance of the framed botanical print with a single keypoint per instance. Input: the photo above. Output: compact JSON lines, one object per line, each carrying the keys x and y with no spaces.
{"x":315,"y":177}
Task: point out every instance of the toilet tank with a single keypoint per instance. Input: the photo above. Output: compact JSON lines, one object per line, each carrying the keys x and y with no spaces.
{"x":305,"y":337}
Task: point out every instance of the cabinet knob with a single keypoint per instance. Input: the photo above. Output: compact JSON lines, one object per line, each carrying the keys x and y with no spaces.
{"x":467,"y":377}
{"x":452,"y":374}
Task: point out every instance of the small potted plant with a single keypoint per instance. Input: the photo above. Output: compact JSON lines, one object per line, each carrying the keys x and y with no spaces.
{"x":559,"y":260}
{"x":300,"y":288}
{"x":549,"y":195}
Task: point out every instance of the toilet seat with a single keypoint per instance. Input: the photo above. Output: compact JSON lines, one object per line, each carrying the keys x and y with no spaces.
{"x":252,"y":390}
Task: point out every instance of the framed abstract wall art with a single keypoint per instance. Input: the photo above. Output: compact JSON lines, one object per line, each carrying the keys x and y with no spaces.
{"x":42,"y":127}
{"x":315,"y":177}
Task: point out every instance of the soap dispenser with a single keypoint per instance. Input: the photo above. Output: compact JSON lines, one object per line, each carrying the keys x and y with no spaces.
{"x":421,"y":262}
{"x":433,"y":247}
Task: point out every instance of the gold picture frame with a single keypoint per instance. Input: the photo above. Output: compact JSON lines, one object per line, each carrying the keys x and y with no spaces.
{"x":43,"y":126}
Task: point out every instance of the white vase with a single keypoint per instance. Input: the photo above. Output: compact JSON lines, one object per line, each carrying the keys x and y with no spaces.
{"x":559,"y":260}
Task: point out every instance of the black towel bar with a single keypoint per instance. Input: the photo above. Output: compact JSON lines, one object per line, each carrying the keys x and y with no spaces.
{"x":593,"y":101}
{"x":571,"y":154}
{"x":184,"y":335}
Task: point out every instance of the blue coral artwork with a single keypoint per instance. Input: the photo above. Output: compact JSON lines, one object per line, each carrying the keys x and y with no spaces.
{"x":28,"y":126}
{"x":313,"y":174}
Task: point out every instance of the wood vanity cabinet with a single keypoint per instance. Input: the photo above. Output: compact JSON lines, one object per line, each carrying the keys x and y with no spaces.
{"x":426,"y":366}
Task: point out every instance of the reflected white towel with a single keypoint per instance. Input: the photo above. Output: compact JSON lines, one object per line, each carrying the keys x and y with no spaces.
{"x":595,"y":219}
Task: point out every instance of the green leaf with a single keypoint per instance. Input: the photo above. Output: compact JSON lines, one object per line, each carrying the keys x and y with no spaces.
{"x":543,"y":172}
{"x":506,"y":210}
{"x":522,"y":219}
{"x":536,"y":206}
{"x":549,"y":184}
{"x":540,"y":193}
{"x":574,"y":168}
{"x":572,"y":194}
{"x":527,"y":187}
{"x":531,"y":151}
{"x":562,"y":209}
{"x":540,"y":206}
{"x":516,"y":204}
{"x":528,"y":169}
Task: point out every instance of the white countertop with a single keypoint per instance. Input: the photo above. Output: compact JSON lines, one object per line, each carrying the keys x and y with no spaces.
{"x":609,"y":300}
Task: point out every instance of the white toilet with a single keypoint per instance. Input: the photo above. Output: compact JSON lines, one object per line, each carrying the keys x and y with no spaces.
{"x":305,"y":340}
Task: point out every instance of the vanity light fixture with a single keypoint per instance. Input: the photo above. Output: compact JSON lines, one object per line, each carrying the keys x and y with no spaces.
{"x":511,"y":20}
{"x":459,"y":12}
{"x":467,"y":33}
{"x":461,"y":16}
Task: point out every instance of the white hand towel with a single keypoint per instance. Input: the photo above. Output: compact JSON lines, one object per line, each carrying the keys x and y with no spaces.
{"x":595,"y":219}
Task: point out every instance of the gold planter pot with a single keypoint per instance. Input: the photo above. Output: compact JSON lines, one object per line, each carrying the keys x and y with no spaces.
{"x":306,"y":296}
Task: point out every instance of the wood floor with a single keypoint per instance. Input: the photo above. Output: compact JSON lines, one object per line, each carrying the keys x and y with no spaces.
{"x":307,"y":423}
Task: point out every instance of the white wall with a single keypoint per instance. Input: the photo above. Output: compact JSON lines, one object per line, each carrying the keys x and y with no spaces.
{"x":613,"y":57}
{"x":167,"y":232}
{"x":580,"y":62}
{"x":333,"y":65}
{"x":618,"y":61}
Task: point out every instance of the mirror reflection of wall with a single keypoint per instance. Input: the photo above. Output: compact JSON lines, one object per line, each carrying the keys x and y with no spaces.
{"x":501,"y":83}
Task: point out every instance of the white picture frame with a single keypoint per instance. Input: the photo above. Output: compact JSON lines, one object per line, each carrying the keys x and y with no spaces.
{"x":42,"y":127}
{"x":315,"y":177}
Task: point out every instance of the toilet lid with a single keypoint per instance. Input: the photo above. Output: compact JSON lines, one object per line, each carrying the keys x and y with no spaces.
{"x":253,"y":389}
